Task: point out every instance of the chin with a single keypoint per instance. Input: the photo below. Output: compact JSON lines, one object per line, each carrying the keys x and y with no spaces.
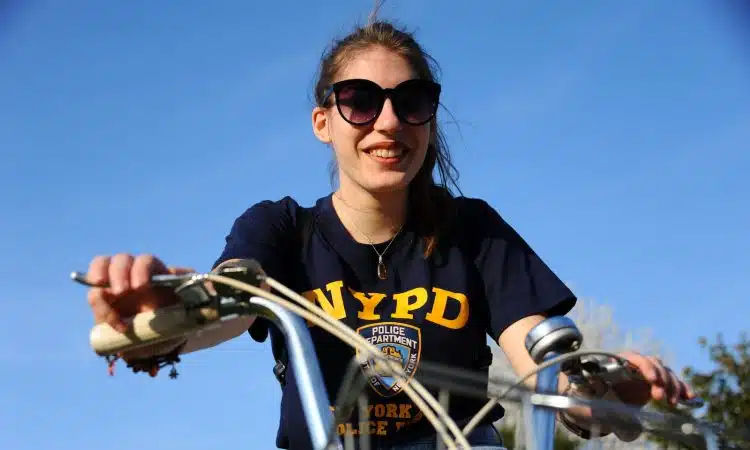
{"x":387,"y":184}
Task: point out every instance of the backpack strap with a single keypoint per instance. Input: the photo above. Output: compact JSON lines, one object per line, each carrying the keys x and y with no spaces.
{"x":303,"y":232}
{"x":482,"y":354}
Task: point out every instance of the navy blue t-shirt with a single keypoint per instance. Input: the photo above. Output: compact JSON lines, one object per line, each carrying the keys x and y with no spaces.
{"x":482,"y":278}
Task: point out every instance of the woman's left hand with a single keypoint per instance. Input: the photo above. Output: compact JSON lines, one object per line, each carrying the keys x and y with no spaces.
{"x":661,"y":383}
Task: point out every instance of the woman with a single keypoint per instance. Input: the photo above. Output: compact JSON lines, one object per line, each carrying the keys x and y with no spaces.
{"x":420,"y":273}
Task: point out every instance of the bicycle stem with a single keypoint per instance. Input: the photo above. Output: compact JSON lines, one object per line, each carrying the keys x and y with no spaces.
{"x":547,"y":340}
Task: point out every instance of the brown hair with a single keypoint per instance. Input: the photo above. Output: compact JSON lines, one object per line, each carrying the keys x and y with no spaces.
{"x":430,"y":200}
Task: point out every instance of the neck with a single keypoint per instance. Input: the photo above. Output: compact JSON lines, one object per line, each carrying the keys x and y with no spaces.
{"x":371,"y":217}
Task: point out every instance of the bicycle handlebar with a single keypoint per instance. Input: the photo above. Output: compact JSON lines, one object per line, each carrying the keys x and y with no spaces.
{"x":200,"y":309}
{"x":174,"y":321}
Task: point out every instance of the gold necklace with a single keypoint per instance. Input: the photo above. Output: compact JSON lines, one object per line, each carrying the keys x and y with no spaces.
{"x":382,"y":270}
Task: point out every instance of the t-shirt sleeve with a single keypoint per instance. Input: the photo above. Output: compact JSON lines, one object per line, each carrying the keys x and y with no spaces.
{"x":517,"y":283}
{"x":262,"y":233}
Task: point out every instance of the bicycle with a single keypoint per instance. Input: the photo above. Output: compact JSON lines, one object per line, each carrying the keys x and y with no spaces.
{"x":553,"y":344}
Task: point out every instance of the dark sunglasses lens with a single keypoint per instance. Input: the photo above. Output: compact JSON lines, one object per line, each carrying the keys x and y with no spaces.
{"x":359,"y":102}
{"x":416,"y":101}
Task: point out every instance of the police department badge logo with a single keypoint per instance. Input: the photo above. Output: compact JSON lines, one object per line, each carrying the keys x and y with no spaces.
{"x":397,"y":341}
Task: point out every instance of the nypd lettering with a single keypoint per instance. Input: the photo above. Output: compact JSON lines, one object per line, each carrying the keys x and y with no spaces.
{"x":447,"y":309}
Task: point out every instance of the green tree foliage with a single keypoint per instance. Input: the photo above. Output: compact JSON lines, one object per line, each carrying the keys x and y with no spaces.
{"x":725,"y":388}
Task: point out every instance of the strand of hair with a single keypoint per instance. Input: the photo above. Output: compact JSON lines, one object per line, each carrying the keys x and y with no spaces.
{"x":373,"y":17}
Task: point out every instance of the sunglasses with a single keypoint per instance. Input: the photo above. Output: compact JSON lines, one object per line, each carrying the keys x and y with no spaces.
{"x":360,"y":102}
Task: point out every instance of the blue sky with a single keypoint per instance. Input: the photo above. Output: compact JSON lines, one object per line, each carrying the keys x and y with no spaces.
{"x":610,"y":134}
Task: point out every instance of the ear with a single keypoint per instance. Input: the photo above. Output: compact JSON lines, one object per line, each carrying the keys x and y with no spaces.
{"x":320,"y":124}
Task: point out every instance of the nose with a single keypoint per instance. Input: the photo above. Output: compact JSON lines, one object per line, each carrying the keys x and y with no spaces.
{"x":387,"y":120}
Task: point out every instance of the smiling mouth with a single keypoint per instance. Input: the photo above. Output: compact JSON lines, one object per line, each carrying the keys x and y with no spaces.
{"x":387,"y":153}
{"x":388,"y":157}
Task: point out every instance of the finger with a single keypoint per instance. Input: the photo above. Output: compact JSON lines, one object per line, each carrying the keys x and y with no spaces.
{"x":103,"y":311}
{"x":119,"y":273}
{"x":661,"y":371}
{"x":98,"y":272}
{"x":660,"y":388}
{"x":649,"y":371}
{"x":644,"y":366}
{"x":689,"y":392}
{"x":683,"y":390}
{"x":97,"y":304}
{"x":143,"y":267}
{"x":674,"y":387}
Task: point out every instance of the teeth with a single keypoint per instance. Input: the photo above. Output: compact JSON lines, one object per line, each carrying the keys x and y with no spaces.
{"x":387,"y":153}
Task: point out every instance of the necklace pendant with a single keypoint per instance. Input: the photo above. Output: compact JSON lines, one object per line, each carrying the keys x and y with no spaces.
{"x":382,"y":271}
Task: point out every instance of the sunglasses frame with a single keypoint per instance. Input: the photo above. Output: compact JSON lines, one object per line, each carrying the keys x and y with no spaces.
{"x":387,"y":93}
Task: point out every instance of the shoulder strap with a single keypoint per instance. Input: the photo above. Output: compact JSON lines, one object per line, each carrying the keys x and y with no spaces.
{"x":483,"y":356}
{"x":302,"y":232}
{"x":304,"y":229}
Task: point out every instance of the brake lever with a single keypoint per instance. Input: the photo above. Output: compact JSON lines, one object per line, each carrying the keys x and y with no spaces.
{"x":192,"y":290}
{"x":607,"y":370}
{"x":188,"y":287}
{"x":245,"y":273}
{"x":161,"y":280}
{"x":610,"y":372}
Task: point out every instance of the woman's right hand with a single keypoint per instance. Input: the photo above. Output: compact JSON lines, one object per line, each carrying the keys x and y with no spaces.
{"x":129,"y":292}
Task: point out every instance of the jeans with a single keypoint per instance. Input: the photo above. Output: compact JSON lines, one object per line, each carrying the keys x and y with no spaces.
{"x":484,"y":437}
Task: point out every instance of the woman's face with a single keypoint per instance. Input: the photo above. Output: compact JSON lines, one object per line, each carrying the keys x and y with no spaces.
{"x":386,"y":153}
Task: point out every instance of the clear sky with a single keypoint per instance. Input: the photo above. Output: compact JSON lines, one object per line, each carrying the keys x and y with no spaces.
{"x":612,"y":135}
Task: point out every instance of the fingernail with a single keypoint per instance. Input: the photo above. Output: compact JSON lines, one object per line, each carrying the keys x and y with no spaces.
{"x":121,"y":327}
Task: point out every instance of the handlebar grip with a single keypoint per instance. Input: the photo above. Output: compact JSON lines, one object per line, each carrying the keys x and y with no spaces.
{"x":149,"y":328}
